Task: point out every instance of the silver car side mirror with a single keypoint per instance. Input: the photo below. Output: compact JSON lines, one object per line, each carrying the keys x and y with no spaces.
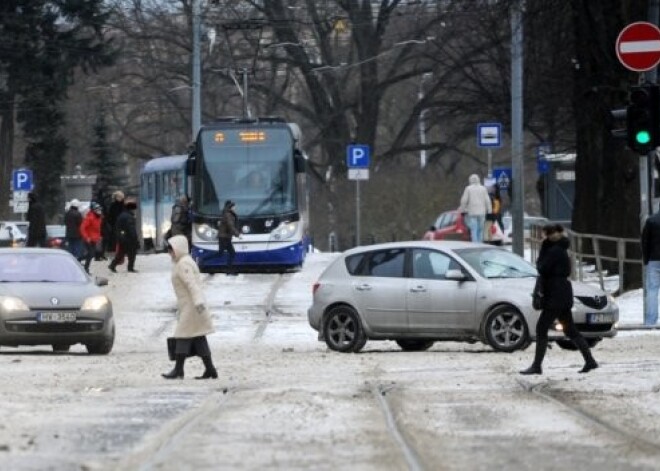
{"x":457,"y":275}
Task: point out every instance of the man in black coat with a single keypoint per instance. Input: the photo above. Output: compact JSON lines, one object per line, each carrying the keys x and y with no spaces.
{"x":37,"y":229}
{"x":651,"y":258}
{"x":554,"y":267}
{"x":127,"y":238}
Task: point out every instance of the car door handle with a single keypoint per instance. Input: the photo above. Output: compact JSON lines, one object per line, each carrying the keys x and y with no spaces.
{"x":363,"y":287}
{"x":418,"y":289}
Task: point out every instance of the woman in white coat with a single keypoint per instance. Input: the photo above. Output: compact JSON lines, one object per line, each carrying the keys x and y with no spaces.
{"x":194,"y":321}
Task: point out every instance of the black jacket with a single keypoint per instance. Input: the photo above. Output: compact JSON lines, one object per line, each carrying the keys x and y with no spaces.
{"x":126,"y":232}
{"x":37,"y":220}
{"x":651,"y":239}
{"x":72,"y":221}
{"x":554,"y":268}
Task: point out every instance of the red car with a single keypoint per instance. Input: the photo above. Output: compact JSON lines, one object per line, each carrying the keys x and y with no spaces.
{"x":449,"y":226}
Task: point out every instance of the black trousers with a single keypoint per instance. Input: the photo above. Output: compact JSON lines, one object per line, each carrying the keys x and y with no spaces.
{"x":90,"y":252}
{"x":566,"y":318}
{"x":225,"y":243}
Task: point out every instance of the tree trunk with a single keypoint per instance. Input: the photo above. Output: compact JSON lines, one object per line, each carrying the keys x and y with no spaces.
{"x":606,"y":173}
{"x":6,"y":152}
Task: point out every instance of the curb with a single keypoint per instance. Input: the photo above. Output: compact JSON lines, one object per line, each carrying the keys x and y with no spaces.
{"x":638,"y":327}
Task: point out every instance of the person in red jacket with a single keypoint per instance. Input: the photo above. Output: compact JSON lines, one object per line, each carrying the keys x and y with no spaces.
{"x":90,"y":231}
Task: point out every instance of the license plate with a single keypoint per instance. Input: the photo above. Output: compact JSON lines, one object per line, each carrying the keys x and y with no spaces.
{"x":600,"y":318}
{"x":56,"y":317}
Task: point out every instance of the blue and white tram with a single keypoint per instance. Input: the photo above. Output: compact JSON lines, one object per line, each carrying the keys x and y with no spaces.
{"x":257,"y":164}
{"x":162,"y":182}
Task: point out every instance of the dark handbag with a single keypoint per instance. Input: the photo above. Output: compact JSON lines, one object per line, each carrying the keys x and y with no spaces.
{"x":171,"y":349}
{"x":537,"y":295}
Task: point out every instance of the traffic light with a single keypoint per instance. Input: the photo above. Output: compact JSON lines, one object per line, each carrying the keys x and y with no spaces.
{"x":643,"y":118}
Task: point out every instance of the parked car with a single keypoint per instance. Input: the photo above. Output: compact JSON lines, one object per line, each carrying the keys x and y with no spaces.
{"x":419,"y":292}
{"x":528,"y":222}
{"x":55,"y":236}
{"x":46,"y":298}
{"x":11,"y":234}
{"x":450,"y":225}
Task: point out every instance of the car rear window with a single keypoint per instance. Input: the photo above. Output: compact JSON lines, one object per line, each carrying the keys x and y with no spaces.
{"x":388,"y":263}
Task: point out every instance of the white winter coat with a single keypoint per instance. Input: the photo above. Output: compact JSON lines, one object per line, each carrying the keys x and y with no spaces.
{"x":475,"y":200}
{"x":188,"y":290}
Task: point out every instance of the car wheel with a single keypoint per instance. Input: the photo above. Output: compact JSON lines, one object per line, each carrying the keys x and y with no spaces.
{"x":409,"y":345}
{"x":505,"y":329}
{"x":103,"y":347}
{"x":61,"y":347}
{"x":342,"y":330}
{"x":567,"y":344}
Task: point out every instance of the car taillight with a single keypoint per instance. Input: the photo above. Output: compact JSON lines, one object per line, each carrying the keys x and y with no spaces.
{"x":315,"y":287}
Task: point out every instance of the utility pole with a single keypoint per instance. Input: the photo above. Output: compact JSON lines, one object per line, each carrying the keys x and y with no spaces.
{"x":517,"y":167}
{"x":196,"y":69}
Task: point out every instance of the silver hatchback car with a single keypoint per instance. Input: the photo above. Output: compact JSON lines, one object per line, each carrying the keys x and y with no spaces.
{"x":419,"y":292}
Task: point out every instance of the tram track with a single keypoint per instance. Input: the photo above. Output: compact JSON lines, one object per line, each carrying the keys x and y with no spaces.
{"x":269,"y":307}
{"x":631,"y":438}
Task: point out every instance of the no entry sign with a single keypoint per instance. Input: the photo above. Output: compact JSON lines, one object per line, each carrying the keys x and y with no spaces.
{"x":638,"y":46}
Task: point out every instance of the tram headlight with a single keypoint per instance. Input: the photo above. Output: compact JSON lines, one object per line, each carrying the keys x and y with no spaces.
{"x":284,"y":231}
{"x":206,"y":232}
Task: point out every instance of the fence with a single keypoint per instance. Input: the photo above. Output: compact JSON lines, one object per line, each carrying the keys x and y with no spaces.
{"x":579,"y":255}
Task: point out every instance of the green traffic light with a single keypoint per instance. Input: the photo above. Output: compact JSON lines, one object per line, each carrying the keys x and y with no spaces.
{"x":643,"y":137}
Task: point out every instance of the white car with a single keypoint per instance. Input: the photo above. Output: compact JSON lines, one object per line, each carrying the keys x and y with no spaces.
{"x":528,"y":222}
{"x":11,"y":234}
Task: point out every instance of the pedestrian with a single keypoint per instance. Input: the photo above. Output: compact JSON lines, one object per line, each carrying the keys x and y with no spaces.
{"x":114,"y":210}
{"x":194,"y":321}
{"x":496,"y":203}
{"x":651,"y":259}
{"x":90,"y":230}
{"x":72,"y":221}
{"x":127,"y":238}
{"x":554,"y":267}
{"x":180,"y":219}
{"x":37,"y":219}
{"x":475,"y":205}
{"x":226,"y":230}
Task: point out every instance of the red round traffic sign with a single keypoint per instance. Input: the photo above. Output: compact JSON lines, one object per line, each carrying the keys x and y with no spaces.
{"x":638,"y":46}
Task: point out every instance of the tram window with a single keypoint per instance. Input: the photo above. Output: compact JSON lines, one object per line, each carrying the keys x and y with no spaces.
{"x":167,"y":186}
{"x":150,"y":186}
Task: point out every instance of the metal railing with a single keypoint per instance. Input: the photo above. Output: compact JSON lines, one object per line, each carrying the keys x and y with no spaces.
{"x":579,"y":255}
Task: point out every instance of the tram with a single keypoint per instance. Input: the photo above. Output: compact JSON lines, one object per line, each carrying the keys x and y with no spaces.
{"x":258,"y":164}
{"x":162,"y":183}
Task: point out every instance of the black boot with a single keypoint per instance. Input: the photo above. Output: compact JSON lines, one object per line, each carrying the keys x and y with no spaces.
{"x":589,"y":362}
{"x":535,"y":369}
{"x":177,"y":372}
{"x":209,"y":369}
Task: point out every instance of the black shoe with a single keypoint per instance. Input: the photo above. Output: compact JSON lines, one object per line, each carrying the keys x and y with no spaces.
{"x":588,"y":366}
{"x":232,"y":273}
{"x":532,"y":370}
{"x":174,"y":374}
{"x":213,"y":374}
{"x":112,"y":268}
{"x":132,"y":270}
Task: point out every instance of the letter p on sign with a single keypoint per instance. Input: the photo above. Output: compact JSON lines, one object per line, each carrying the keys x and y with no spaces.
{"x":22,"y":180}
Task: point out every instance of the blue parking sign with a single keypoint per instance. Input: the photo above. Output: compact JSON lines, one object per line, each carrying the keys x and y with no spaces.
{"x":357,"y":156}
{"x":22,"y":180}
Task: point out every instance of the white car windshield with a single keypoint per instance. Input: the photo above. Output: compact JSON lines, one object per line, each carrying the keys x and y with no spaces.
{"x":497,"y":263}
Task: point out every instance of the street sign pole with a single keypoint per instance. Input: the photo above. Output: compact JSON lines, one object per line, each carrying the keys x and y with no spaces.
{"x":357,"y":161}
{"x":357,"y":212}
{"x":490,"y":163}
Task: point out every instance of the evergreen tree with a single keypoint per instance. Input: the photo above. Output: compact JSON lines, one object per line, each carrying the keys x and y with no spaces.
{"x":44,"y":43}
{"x":106,"y":161}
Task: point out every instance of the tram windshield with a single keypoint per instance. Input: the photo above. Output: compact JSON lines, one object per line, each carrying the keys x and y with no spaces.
{"x":253,"y":167}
